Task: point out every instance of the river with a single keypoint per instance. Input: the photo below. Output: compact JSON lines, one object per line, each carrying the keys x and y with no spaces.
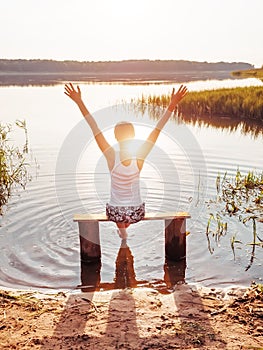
{"x":39,"y":242}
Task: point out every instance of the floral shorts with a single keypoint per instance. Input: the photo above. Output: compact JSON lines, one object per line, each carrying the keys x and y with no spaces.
{"x":127,"y":214}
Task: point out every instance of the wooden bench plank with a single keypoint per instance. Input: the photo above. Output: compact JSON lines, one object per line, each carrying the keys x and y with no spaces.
{"x":148,"y":216}
{"x":175,"y":234}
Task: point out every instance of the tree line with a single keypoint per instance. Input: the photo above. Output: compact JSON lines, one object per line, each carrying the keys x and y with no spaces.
{"x":50,"y":66}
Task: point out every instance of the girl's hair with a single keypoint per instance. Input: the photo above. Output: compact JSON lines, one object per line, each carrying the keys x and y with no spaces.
{"x":124,"y":131}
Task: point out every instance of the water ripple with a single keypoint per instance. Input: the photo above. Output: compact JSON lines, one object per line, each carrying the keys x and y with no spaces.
{"x":39,"y":242}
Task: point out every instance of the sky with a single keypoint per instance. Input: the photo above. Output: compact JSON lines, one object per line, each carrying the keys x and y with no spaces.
{"x":104,"y":30}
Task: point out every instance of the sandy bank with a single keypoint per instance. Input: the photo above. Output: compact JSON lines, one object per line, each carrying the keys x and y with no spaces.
{"x":188,"y":318}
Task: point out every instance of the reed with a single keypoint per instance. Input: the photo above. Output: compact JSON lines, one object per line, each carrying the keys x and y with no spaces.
{"x":217,"y":232}
{"x":241,"y":197}
{"x":13,"y":166}
{"x":241,"y":102}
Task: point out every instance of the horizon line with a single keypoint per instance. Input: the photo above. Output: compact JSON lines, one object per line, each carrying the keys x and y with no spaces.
{"x":121,"y":60}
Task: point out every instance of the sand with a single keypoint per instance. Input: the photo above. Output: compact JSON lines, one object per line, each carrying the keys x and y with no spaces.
{"x":133,"y":318}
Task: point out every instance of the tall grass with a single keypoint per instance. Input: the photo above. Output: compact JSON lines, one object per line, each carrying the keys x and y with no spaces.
{"x":242,"y":102}
{"x":13,"y":167}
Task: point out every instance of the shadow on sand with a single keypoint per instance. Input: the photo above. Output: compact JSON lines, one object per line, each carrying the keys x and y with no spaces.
{"x":126,"y":317}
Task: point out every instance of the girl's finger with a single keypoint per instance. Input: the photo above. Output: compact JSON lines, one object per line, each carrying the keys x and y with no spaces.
{"x":72,"y":87}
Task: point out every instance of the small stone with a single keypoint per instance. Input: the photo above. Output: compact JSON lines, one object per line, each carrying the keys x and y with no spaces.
{"x":164,"y":318}
{"x":85,"y":337}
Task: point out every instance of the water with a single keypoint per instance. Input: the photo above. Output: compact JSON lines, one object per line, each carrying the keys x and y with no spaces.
{"x":38,"y":240}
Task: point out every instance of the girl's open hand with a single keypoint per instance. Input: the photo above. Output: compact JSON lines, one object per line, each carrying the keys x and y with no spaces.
{"x":177,"y":97}
{"x":70,"y":91}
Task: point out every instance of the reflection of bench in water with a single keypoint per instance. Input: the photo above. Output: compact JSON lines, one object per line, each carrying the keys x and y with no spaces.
{"x":175,"y":234}
{"x":125,"y":277}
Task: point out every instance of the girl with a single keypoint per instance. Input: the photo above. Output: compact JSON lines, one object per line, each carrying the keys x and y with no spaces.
{"x":125,"y":206}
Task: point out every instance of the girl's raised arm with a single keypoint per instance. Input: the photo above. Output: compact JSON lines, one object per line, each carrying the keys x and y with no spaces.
{"x":147,"y":146}
{"x":104,"y":146}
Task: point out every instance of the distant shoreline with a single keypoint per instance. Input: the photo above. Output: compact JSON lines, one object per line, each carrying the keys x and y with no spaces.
{"x":36,"y":72}
{"x":250,"y":73}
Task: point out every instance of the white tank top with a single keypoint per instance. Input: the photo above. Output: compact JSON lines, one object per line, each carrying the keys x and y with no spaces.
{"x":125,"y":183}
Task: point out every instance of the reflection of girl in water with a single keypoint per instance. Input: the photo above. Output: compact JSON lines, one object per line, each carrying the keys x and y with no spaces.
{"x":124,"y":273}
{"x":125,"y":206}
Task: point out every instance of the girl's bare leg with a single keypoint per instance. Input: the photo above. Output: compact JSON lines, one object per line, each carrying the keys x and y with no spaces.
{"x":122,"y":229}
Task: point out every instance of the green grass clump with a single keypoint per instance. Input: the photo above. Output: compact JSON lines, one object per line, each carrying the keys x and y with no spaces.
{"x":13,"y":168}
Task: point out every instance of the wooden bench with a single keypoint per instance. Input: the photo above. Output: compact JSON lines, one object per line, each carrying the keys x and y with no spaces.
{"x":175,"y":234}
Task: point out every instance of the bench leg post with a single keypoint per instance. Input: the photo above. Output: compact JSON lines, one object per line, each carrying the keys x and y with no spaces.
{"x":89,"y":236}
{"x":174,"y":272}
{"x":90,"y":276}
{"x":175,"y":239}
